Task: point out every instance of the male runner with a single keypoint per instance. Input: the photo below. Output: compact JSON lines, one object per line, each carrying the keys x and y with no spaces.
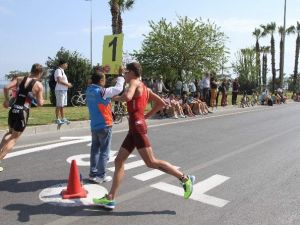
{"x":137,"y":96}
{"x":28,"y":88}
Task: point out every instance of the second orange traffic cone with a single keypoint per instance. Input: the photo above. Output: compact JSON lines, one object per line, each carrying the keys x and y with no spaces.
{"x":74,"y":189}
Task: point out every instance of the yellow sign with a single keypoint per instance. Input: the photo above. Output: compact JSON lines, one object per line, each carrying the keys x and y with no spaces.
{"x":113,"y":52}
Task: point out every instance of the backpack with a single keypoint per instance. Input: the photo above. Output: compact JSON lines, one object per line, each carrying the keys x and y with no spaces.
{"x":52,"y":82}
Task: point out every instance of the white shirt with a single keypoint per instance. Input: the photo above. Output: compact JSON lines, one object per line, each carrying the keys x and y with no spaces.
{"x":59,"y":72}
{"x":115,"y":90}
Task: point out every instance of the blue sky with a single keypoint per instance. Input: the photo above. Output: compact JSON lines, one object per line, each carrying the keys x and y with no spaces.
{"x":32,"y":30}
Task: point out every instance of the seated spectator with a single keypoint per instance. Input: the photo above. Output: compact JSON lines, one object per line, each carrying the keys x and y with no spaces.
{"x":185,"y":105}
{"x":176,"y":106}
{"x":203,"y":106}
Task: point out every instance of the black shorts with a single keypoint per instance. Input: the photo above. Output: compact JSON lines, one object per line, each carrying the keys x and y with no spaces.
{"x":18,"y":118}
{"x":136,"y":140}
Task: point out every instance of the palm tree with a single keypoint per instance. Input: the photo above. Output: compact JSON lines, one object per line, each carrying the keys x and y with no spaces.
{"x":265,"y":50}
{"x":257,"y":33}
{"x":116,"y":9}
{"x":297,"y":30}
{"x":281,"y":31}
{"x":270,"y":29}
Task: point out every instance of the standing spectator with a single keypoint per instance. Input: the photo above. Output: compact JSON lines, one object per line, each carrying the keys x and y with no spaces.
{"x":28,"y":88}
{"x":223,"y":90}
{"x":192,"y":88}
{"x":99,"y":105}
{"x":178,"y":88}
{"x":61,"y":92}
{"x":185,"y":87}
{"x":206,"y":88}
{"x":235,"y":90}
{"x":213,"y":92}
{"x":160,"y":86}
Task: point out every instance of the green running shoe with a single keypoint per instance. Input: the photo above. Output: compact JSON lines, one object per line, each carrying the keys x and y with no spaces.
{"x":105,"y":202}
{"x":188,"y":186}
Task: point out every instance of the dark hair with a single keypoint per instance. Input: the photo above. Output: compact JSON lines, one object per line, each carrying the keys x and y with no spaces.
{"x":97,"y":77}
{"x":135,"y":67}
{"x":36,"y":68}
{"x":61,"y":62}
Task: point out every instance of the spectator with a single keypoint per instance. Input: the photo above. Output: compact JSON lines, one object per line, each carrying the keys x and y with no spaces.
{"x":185,"y":105}
{"x":178,"y":87}
{"x":235,"y":90}
{"x":206,"y":87}
{"x":192,"y":88}
{"x":61,"y":92}
{"x":213,"y":92}
{"x":223,"y":90}
{"x":160,"y":86}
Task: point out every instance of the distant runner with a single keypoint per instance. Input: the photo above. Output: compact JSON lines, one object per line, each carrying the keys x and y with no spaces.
{"x":137,"y":96}
{"x":28,"y":88}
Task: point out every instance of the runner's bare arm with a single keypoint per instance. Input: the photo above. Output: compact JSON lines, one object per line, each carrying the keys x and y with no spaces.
{"x":39,"y":94}
{"x":158,"y":104}
{"x":6,"y":89}
{"x":129,"y":92}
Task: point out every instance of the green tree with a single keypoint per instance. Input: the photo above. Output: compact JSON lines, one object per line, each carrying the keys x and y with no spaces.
{"x":78,"y":71}
{"x":295,"y":77}
{"x":270,"y":29}
{"x":245,"y":68}
{"x":283,"y":32}
{"x":186,"y":48}
{"x":16,"y":73}
{"x":117,"y":7}
{"x":257,"y":33}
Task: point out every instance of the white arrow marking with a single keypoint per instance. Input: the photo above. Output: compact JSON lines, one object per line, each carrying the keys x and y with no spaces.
{"x":199,"y":190}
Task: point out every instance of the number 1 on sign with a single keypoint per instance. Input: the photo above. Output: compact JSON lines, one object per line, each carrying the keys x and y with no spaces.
{"x":114,"y":48}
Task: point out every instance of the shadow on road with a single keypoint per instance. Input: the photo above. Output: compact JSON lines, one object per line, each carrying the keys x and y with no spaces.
{"x":25,"y":211}
{"x":15,"y":186}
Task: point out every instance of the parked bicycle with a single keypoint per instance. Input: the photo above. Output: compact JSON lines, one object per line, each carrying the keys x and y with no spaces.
{"x":119,"y":111}
{"x":78,"y":99}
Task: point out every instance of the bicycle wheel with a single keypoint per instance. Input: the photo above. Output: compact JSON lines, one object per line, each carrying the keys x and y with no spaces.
{"x":74,"y":101}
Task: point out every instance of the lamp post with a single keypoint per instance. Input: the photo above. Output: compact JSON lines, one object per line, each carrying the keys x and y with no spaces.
{"x":91,"y":32}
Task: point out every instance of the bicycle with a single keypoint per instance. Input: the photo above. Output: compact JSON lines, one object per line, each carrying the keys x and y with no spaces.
{"x":119,"y":111}
{"x":78,"y":99}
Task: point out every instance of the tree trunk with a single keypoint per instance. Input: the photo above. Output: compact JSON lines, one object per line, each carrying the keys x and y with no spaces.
{"x":273,"y":63}
{"x":258,"y":70}
{"x":264,"y":70}
{"x":280,"y":63}
{"x":295,"y":80}
{"x":120,"y":24}
{"x":115,"y":14}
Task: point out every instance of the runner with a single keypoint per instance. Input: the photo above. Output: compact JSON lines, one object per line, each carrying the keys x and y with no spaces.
{"x":137,"y":96}
{"x":28,"y":88}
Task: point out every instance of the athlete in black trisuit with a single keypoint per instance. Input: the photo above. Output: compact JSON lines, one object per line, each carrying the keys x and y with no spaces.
{"x":28,"y":88}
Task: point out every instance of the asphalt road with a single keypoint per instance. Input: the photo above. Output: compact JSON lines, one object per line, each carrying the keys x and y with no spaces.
{"x":246,"y":163}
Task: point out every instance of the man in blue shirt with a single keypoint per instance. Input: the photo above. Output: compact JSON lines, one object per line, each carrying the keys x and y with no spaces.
{"x":98,"y":100}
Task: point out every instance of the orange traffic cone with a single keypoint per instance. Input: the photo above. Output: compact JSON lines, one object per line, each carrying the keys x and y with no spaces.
{"x":74,"y":189}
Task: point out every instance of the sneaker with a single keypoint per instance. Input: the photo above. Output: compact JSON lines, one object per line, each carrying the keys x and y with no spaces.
{"x":188,"y":186}
{"x":100,"y":180}
{"x":175,"y":117}
{"x":59,"y":122}
{"x":66,"y":121}
{"x":182,"y":116}
{"x":1,"y":168}
{"x":105,"y":202}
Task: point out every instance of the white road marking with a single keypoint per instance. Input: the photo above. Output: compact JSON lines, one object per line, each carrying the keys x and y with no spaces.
{"x":52,"y":195}
{"x":149,"y":175}
{"x":44,"y":148}
{"x":198,"y":191}
{"x":84,"y":159}
{"x":129,"y":166}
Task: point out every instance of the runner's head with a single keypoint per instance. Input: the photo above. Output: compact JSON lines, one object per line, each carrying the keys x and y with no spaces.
{"x":99,"y":79}
{"x":36,"y":70}
{"x":133,"y":71}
